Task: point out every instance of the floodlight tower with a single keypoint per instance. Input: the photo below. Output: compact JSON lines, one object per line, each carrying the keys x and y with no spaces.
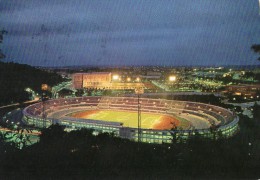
{"x":44,"y":88}
{"x":172,"y":79}
{"x":139,"y":91}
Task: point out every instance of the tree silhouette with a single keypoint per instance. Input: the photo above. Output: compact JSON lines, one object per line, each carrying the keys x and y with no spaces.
{"x":256,"y":111}
{"x":2,"y":32}
{"x":256,"y":49}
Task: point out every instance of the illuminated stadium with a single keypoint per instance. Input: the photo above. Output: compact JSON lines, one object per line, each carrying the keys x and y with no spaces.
{"x":160,"y":118}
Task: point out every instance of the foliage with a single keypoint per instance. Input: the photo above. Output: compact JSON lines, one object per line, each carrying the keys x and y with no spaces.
{"x":256,"y":111}
{"x":256,"y":49}
{"x":14,"y":78}
{"x":79,"y":93}
{"x":2,"y":32}
{"x":65,"y":92}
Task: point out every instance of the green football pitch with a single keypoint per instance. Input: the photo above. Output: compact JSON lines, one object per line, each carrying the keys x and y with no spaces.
{"x":129,"y":118}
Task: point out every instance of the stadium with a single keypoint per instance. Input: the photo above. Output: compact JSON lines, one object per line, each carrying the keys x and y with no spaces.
{"x":160,"y":118}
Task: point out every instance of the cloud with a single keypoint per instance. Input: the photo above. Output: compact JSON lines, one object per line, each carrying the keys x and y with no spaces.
{"x":130,"y":32}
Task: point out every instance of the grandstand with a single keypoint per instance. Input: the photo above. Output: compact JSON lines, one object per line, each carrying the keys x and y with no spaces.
{"x":200,"y":117}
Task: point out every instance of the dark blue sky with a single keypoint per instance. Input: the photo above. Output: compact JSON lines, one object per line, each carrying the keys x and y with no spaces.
{"x":130,"y":32}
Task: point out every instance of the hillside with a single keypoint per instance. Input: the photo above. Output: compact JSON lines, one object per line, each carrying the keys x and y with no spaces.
{"x":14,"y":78}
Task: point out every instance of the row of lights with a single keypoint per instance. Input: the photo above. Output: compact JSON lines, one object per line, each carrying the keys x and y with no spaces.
{"x":128,"y":79}
{"x":118,"y":78}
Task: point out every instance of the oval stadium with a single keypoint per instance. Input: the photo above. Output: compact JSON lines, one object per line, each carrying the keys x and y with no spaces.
{"x":160,"y":118}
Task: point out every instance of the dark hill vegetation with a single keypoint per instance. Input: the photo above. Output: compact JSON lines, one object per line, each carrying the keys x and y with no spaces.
{"x":14,"y":78}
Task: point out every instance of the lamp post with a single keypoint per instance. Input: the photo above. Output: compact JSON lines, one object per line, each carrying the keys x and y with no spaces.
{"x":44,"y":88}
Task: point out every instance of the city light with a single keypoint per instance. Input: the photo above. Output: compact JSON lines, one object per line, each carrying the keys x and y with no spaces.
{"x":28,"y":90}
{"x":128,"y":79}
{"x":138,"y":79}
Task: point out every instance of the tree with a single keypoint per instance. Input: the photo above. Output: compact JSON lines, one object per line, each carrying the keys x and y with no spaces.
{"x":256,"y":111}
{"x":256,"y":49}
{"x":52,"y":133}
{"x":2,"y":32}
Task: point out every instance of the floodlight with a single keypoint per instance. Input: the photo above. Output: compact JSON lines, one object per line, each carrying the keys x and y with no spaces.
{"x":115,"y":77}
{"x":172,"y":78}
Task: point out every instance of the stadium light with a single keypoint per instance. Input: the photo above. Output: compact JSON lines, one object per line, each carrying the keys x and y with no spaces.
{"x":138,"y":79}
{"x":115,"y":77}
{"x":172,"y":78}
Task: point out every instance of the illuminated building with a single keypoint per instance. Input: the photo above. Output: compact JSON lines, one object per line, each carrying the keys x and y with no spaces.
{"x":244,"y":90}
{"x":91,"y":80}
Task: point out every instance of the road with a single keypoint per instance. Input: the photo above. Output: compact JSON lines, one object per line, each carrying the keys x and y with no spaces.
{"x":24,"y":132}
{"x":17,"y":104}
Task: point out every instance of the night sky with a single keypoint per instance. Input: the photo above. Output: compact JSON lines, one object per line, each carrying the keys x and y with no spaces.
{"x":130,"y":32}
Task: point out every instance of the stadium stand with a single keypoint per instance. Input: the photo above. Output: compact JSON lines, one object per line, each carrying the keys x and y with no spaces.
{"x":55,"y":109}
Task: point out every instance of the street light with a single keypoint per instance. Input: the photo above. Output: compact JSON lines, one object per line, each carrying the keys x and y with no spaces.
{"x":28,"y":90}
{"x":139,"y":91}
{"x":44,"y":89}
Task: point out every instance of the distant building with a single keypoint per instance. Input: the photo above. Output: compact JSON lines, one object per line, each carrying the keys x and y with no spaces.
{"x":77,"y":80}
{"x":152,"y":75}
{"x":91,"y":80}
{"x":244,"y":90}
{"x":103,"y":80}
